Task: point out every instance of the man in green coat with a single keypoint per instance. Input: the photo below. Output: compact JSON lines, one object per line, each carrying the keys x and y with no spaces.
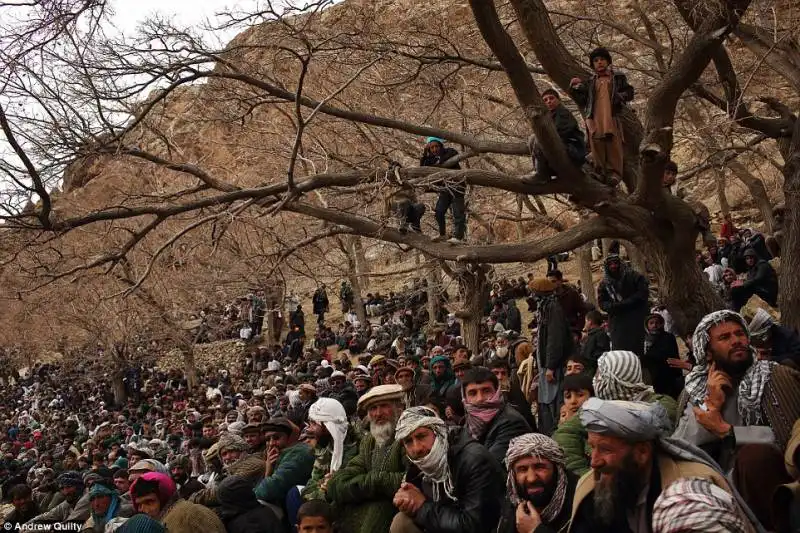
{"x":618,"y":377}
{"x":289,"y":463}
{"x":362,"y":492}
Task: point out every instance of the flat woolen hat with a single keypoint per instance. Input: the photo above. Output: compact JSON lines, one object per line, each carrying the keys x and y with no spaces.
{"x":380,"y":393}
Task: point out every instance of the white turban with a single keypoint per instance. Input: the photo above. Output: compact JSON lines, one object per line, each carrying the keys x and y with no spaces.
{"x":331,"y":414}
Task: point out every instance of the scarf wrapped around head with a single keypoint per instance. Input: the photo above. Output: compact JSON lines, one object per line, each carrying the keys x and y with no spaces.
{"x":543,"y":447}
{"x":165,"y":490}
{"x":696,"y":504}
{"x":433,"y":466}
{"x":331,"y":414}
{"x":98,"y":489}
{"x":751,"y":388}
{"x":480,"y":415}
{"x":619,"y":377}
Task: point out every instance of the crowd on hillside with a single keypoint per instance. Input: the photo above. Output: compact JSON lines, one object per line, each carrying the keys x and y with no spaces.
{"x":387,"y":422}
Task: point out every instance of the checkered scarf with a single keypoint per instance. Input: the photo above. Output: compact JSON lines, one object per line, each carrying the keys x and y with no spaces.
{"x":540,"y":446}
{"x":696,"y":504}
{"x":433,"y":466}
{"x":619,"y":377}
{"x":754,"y":381}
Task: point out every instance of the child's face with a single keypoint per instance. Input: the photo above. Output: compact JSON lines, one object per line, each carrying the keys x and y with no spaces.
{"x":654,"y":324}
{"x":574,"y":399}
{"x":314,"y":524}
{"x":574,"y":367}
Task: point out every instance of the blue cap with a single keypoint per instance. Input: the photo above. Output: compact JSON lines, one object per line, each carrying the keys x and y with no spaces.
{"x":432,"y":139}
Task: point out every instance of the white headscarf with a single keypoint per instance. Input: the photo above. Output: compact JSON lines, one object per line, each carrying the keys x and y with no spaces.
{"x":331,"y":414}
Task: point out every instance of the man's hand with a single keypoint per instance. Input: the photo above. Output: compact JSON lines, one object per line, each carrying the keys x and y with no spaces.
{"x":575,"y":81}
{"x":712,"y":420}
{"x":272,"y":460}
{"x":408,"y":499}
{"x":323,"y":485}
{"x":550,"y":376}
{"x":718,"y":386}
{"x":528,"y":518}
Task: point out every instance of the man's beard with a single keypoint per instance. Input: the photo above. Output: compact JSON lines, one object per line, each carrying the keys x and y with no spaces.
{"x":617,"y":496}
{"x":735,"y":369}
{"x":541,"y":500}
{"x":501,"y":351}
{"x":383,"y":433}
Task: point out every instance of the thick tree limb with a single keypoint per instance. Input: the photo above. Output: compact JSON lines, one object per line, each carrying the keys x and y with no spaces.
{"x":594,"y":228}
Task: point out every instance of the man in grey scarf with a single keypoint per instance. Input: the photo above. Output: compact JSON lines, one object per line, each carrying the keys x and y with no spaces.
{"x":452,"y":485}
{"x":632,"y":463}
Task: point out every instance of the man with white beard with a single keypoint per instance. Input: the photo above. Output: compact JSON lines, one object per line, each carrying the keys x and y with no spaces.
{"x":362,"y":491}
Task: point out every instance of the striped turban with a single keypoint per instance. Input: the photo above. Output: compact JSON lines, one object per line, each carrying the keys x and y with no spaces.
{"x":696,"y":504}
{"x":433,"y":466}
{"x":619,"y":377}
{"x":543,"y":447}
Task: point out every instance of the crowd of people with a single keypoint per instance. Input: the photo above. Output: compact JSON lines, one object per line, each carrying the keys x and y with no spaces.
{"x":598,"y":423}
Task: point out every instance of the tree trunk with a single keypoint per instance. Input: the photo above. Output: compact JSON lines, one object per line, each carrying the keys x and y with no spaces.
{"x":518,"y":225}
{"x":118,"y":385}
{"x":361,"y":262}
{"x":355,"y":280}
{"x":636,"y":258}
{"x":474,"y":291}
{"x":757,"y":191}
{"x":190,"y":368}
{"x":682,"y":286}
{"x":789,"y":294}
{"x":724,"y":205}
{"x":585,"y":264}
{"x":434,"y":280}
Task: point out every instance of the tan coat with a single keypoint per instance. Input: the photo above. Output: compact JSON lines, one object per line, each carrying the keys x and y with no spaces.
{"x":671,"y":470}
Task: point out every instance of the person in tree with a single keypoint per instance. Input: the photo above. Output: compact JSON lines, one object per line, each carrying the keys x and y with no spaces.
{"x":451,"y":195}
{"x":623,"y":294}
{"x":568,"y":131}
{"x":320,"y":303}
{"x":670,"y":177}
{"x":603,"y":96}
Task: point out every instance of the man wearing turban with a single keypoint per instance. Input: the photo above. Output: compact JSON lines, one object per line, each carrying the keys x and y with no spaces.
{"x":633,"y":462}
{"x":540,"y":488}
{"x":452,"y":485}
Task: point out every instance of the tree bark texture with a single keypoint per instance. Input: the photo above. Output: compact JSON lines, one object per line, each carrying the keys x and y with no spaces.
{"x":722,"y":196}
{"x":585,"y":264}
{"x":757,"y":190}
{"x":355,"y":279}
{"x":789,"y":296}
{"x":474,"y":292}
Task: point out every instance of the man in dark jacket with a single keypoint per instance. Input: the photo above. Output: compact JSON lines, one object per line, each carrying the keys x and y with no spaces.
{"x":570,"y":299}
{"x":762,"y":280}
{"x":568,"y":131}
{"x":342,"y":392}
{"x":555,"y":344}
{"x":320,"y":303}
{"x":540,"y":488}
{"x":623,"y":295}
{"x":595,"y":340}
{"x":513,"y":316}
{"x":603,"y":97}
{"x":489,"y":420}
{"x":298,"y":319}
{"x":451,"y":195}
{"x":240,"y":511}
{"x":452,"y":484}
{"x":24,"y":507}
